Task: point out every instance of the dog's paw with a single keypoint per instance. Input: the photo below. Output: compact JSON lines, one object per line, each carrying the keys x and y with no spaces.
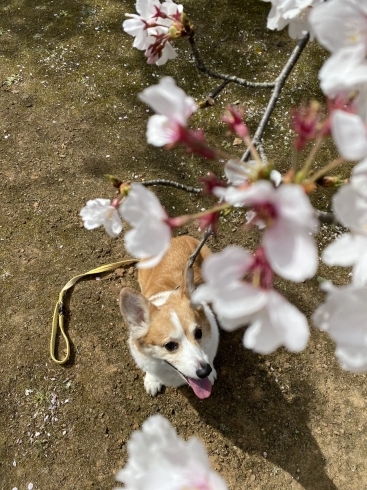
{"x":213,"y":376}
{"x":152,"y":385}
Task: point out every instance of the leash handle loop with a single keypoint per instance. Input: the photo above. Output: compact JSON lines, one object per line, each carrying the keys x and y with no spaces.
{"x":60,"y":308}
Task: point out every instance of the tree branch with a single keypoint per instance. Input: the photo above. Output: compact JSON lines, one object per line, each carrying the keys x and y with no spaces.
{"x":279,"y":84}
{"x":171,"y":183}
{"x":209,"y":100}
{"x":207,"y":234}
{"x":228,"y":78}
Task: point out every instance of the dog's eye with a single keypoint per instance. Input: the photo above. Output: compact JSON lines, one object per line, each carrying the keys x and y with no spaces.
{"x":198,"y":333}
{"x":171,"y":346}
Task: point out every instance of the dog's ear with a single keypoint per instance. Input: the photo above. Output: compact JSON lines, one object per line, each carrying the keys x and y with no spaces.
{"x":136,"y":310}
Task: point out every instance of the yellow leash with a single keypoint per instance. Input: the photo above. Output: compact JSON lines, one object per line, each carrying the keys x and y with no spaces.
{"x":60,"y":308}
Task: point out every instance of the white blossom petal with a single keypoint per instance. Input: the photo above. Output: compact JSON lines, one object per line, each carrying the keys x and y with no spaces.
{"x":279,"y":323}
{"x":350,"y":208}
{"x":100,"y":212}
{"x":151,"y":235}
{"x":344,"y":71}
{"x":150,"y":240}
{"x":231,"y":298}
{"x":340,"y":23}
{"x":169,"y":100}
{"x":350,"y":135}
{"x":140,"y":203}
{"x":359,"y":178}
{"x":161,"y":130}
{"x":343,"y":315}
{"x":344,"y":251}
{"x":291,"y":251}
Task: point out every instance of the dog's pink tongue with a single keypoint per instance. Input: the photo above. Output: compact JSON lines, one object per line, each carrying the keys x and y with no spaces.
{"x":202,"y":387}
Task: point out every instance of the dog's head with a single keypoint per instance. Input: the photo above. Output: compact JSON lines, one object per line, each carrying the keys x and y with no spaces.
{"x":175,"y":333}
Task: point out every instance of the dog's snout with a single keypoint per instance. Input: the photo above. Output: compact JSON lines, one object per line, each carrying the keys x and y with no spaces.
{"x":204,"y":371}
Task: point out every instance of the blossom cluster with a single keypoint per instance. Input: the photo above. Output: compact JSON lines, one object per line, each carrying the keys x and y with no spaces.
{"x":238,"y":283}
{"x":158,"y":458}
{"x":291,"y":13}
{"x":341,"y":27}
{"x":154,"y":27}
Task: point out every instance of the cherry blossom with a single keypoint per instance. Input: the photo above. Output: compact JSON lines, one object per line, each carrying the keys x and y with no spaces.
{"x":231,"y":297}
{"x":158,"y":49}
{"x":343,"y":315}
{"x":272,"y":320}
{"x":138,"y":25}
{"x":173,"y":109}
{"x":340,"y":23}
{"x":100,"y":212}
{"x":152,"y":28}
{"x":293,"y":13}
{"x":158,"y":458}
{"x":151,"y":234}
{"x":287,"y":240}
{"x":351,"y":248}
{"x":240,"y":173}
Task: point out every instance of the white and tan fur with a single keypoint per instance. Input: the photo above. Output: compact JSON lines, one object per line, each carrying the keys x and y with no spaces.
{"x":172,"y":341}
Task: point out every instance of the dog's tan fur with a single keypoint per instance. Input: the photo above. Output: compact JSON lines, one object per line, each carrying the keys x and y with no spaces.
{"x":163,"y":313}
{"x":168,"y":274}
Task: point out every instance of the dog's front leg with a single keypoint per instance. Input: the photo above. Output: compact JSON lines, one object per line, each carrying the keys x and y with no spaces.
{"x":151,"y":384}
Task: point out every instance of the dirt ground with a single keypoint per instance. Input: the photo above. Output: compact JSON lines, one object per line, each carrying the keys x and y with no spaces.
{"x":69,"y":114}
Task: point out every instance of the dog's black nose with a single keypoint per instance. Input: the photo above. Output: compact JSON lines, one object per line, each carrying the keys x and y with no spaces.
{"x":204,"y":371}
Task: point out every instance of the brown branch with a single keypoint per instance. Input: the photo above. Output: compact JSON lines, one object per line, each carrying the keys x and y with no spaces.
{"x":207,"y":234}
{"x":279,"y":84}
{"x":171,"y":183}
{"x":228,"y":78}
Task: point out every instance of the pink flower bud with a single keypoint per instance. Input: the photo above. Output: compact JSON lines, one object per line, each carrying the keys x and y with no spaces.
{"x":235,"y":122}
{"x":304,"y":122}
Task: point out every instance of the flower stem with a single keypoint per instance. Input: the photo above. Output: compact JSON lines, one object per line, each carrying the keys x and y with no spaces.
{"x":311,"y":157}
{"x":326,"y":169}
{"x":214,"y":209}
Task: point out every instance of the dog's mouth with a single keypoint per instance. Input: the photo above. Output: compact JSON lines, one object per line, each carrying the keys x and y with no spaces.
{"x":201,"y":387}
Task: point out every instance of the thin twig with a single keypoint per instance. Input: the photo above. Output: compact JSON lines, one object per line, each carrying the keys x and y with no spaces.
{"x":171,"y":183}
{"x":228,"y":78}
{"x":279,"y":84}
{"x":207,"y":234}
{"x":324,"y":170}
{"x":209,"y":100}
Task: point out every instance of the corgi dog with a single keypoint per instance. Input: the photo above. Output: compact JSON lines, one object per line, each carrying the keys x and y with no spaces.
{"x":171,"y":340}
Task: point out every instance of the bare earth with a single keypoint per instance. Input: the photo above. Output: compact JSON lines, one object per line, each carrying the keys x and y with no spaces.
{"x":70,"y":114}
